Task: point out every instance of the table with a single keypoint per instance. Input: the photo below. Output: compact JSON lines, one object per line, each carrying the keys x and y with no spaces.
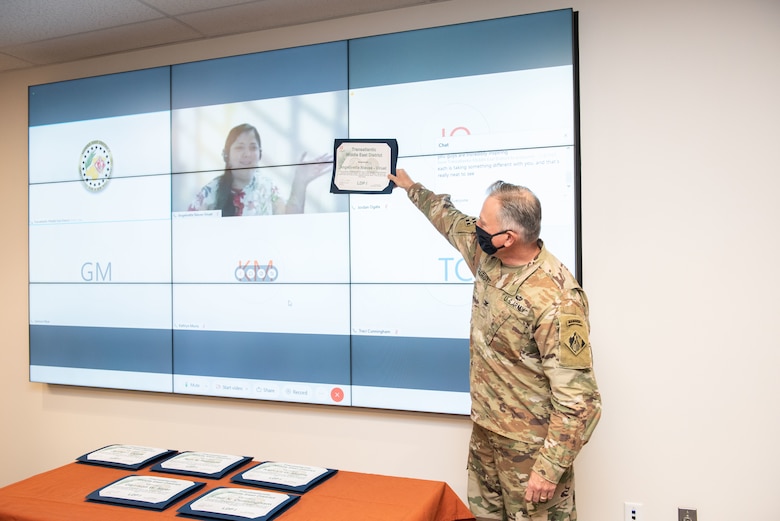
{"x":59,"y":495}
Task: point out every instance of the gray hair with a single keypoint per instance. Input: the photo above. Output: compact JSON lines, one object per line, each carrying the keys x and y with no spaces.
{"x":519,"y":207}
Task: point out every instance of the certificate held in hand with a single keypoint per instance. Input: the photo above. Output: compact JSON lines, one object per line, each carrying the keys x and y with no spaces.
{"x":361,"y":166}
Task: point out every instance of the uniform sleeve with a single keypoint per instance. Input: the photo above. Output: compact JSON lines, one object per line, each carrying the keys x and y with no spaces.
{"x":563,"y":339}
{"x":457,"y":227}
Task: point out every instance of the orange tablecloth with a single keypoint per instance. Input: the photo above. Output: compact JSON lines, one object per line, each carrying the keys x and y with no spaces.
{"x":59,"y":495}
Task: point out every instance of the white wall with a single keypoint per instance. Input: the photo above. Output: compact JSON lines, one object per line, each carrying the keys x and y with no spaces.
{"x":680,"y":176}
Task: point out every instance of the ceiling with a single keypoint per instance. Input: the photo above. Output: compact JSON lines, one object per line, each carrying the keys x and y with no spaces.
{"x":45,"y":32}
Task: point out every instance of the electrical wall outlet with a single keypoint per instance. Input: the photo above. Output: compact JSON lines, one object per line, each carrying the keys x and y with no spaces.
{"x":686,"y":514}
{"x":633,"y":511}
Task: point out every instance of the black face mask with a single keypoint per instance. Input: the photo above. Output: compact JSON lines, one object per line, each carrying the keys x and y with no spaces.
{"x":485,"y":241}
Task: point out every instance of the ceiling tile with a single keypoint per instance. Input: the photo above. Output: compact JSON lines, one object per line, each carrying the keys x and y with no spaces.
{"x":177,"y":7}
{"x":44,"y":32}
{"x":28,"y":20}
{"x":108,"y":41}
{"x":266,"y":14}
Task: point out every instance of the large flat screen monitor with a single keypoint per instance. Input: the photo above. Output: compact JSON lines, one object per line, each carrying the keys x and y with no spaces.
{"x":183,"y":237}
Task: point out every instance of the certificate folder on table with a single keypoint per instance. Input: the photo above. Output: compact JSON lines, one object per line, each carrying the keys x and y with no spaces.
{"x":128,"y":457}
{"x":142,"y":491}
{"x":238,"y":504}
{"x":288,"y":477}
{"x":201,"y":464}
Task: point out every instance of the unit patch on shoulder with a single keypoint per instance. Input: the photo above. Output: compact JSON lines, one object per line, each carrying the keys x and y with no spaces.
{"x":575,"y":346}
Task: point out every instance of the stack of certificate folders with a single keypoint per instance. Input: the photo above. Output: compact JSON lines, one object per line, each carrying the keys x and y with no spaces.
{"x":261,"y":492}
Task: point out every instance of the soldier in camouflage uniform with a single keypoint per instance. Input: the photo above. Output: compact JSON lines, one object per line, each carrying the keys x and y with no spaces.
{"x":534,"y":396}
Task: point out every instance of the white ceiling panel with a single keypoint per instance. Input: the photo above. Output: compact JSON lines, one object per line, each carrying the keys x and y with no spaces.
{"x":107,"y":41}
{"x":24,"y":21}
{"x":178,"y":7}
{"x":45,"y":32}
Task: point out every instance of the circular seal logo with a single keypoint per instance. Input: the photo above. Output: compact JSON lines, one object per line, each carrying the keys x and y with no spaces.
{"x":95,"y":166}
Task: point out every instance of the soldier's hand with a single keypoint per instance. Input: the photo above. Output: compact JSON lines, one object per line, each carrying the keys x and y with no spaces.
{"x":539,"y":490}
{"x":401,"y":178}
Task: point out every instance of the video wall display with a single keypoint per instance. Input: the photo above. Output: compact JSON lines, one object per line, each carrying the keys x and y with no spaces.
{"x":183,"y":237}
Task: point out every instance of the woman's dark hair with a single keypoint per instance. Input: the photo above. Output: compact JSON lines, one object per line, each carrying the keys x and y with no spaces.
{"x":224,"y":197}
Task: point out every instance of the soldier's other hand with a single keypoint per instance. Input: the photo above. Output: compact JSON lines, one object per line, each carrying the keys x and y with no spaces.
{"x":539,"y":490}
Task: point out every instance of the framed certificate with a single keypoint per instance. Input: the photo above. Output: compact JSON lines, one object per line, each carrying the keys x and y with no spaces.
{"x":145,"y":491}
{"x":288,"y":477}
{"x":238,"y":504}
{"x":130,"y":457}
{"x":361,"y":166}
{"x":201,"y":464}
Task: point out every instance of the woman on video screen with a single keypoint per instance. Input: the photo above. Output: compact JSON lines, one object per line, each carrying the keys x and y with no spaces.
{"x":243,"y":190}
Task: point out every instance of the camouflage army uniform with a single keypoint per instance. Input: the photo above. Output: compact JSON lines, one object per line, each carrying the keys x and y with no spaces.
{"x":534,"y":396}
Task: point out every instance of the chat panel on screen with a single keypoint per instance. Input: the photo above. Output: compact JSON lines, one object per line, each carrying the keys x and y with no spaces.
{"x":477,"y":115}
{"x":383,"y":257}
{"x":548,"y":171}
